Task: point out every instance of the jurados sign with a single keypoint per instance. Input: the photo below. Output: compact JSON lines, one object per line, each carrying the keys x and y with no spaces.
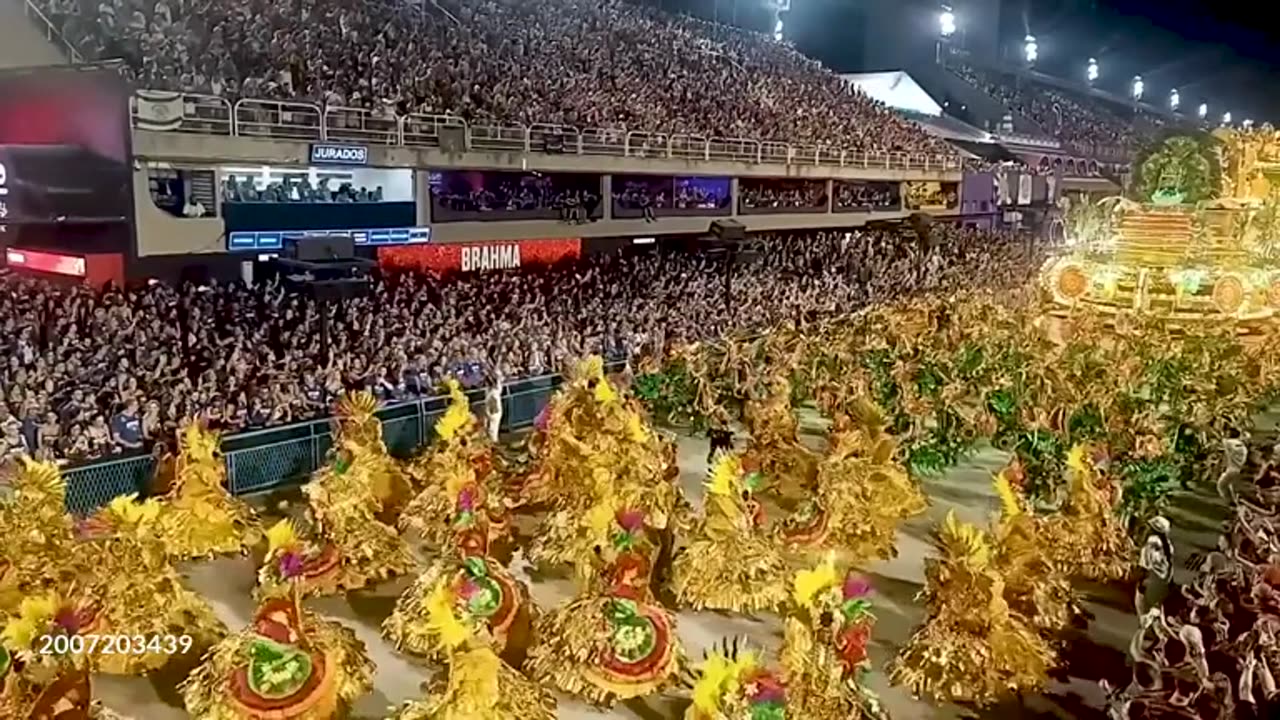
{"x":339,"y":155}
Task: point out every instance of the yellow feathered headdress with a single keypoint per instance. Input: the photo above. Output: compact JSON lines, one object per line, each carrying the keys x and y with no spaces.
{"x":964,"y":542}
{"x":443,"y":620}
{"x":473,"y":678}
{"x":126,"y":510}
{"x":281,"y":536}
{"x":34,"y":615}
{"x":457,"y":415}
{"x":40,"y":484}
{"x":1010,"y":503}
{"x":1077,"y":458}
{"x":719,"y":676}
{"x":809,"y":584}
{"x":724,"y":475}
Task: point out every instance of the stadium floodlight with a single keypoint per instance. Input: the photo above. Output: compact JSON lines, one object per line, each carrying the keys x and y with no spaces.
{"x":777,"y":30}
{"x":1203,"y":110}
{"x":946,"y":22}
{"x":1091,"y":73}
{"x":1174,"y":99}
{"x":1226,"y":118}
{"x":1247,"y":123}
{"x":1030,"y":49}
{"x":1138,"y":87}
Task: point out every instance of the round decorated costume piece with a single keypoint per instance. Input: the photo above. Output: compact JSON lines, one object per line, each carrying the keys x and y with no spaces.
{"x":348,"y":548}
{"x":614,"y":641}
{"x":862,"y":494}
{"x":40,"y":677}
{"x":290,"y":664}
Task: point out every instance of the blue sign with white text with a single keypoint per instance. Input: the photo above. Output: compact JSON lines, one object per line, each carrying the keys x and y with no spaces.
{"x":275,"y":239}
{"x":339,"y":155}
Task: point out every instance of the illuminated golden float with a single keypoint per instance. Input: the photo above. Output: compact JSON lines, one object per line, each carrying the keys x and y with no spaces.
{"x":1204,"y":244}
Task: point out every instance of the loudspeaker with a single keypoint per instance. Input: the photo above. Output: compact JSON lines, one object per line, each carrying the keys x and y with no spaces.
{"x":453,"y":139}
{"x":339,"y":289}
{"x":321,"y":248}
{"x":729,"y":230}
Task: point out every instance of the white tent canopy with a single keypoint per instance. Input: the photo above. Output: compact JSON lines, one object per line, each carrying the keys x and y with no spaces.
{"x":896,"y":89}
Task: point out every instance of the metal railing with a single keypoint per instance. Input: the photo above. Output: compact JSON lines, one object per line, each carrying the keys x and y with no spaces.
{"x":271,"y":458}
{"x":248,"y":117}
{"x":51,"y":33}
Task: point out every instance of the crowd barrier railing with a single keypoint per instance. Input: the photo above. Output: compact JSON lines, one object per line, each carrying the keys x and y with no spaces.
{"x":275,"y":457}
{"x":249,"y":117}
{"x":51,"y":33}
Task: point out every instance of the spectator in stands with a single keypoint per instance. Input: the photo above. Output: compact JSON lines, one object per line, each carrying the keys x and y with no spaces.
{"x":583,"y":63}
{"x":118,"y":369}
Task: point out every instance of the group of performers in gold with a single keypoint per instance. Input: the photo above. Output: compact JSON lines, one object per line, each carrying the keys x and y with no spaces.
{"x":778,"y":528}
{"x":599,"y":500}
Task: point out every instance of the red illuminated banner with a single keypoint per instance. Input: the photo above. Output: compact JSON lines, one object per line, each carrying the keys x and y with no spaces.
{"x":478,"y":257}
{"x":46,"y":262}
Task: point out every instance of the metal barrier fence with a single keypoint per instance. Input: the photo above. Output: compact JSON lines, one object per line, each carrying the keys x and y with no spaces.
{"x":268,"y":459}
{"x":249,"y":117}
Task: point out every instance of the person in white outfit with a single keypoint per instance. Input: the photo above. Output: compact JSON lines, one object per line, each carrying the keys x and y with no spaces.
{"x":493,"y":408}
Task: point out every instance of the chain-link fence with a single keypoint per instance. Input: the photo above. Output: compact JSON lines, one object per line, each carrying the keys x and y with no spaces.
{"x":263,"y":460}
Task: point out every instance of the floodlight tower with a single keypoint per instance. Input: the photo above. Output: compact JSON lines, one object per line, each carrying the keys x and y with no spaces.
{"x":1030,"y":49}
{"x":1226,"y":118}
{"x":1174,"y":99}
{"x":1203,"y":110}
{"x":1091,"y":72}
{"x":1138,"y":87}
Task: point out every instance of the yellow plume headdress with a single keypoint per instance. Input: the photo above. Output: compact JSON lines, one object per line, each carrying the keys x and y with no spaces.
{"x":721,"y":675}
{"x":1010,"y":503}
{"x":457,"y":415}
{"x":724,"y":475}
{"x":34,"y":616}
{"x":442,"y":618}
{"x":809,"y":584}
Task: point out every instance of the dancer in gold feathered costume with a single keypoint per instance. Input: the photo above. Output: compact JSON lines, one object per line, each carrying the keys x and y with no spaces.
{"x":357,"y":426}
{"x":348,"y":547}
{"x":290,"y":664}
{"x":478,"y":685}
{"x":486,"y":592}
{"x":972,"y":648}
{"x":1086,"y":536}
{"x":734,"y":684}
{"x":862,"y":495}
{"x":590,"y":430}
{"x":129,"y":587}
{"x":198,"y":517}
{"x":613,"y":641}
{"x":38,"y":547}
{"x":731,"y":563}
{"x":36,"y":684}
{"x":1035,"y":586}
{"x":790,"y":469}
{"x":460,"y":457}
{"x":824,"y":653}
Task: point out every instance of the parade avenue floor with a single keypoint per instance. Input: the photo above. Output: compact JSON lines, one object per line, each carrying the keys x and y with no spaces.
{"x":228,"y":583}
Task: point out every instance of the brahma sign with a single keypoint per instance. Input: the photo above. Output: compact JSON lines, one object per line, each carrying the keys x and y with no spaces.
{"x":478,"y":257}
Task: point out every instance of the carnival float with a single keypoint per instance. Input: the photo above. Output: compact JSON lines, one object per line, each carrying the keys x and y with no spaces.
{"x":1198,"y":241}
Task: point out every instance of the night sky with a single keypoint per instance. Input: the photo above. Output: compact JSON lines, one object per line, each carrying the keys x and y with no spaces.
{"x":1225,"y":53}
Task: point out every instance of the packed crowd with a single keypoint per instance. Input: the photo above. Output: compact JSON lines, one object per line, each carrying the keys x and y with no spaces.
{"x":91,"y":374}
{"x":682,"y":194}
{"x":506,"y":192}
{"x":295,"y":190}
{"x":586,"y":63}
{"x":861,"y":195}
{"x":1073,"y":119}
{"x":768,"y":195}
